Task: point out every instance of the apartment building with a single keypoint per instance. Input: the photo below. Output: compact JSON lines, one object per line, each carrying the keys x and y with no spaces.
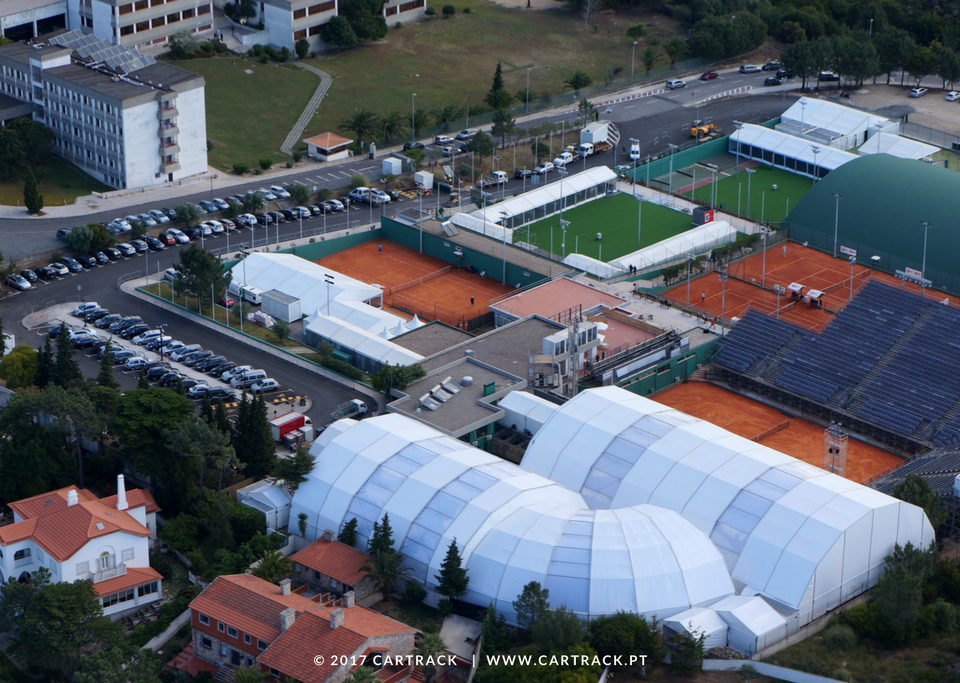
{"x":141,"y":23}
{"x":122,"y":117}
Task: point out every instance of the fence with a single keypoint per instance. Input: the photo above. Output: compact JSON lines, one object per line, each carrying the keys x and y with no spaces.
{"x":932,"y":136}
{"x":419,"y":281}
{"x":770,"y":432}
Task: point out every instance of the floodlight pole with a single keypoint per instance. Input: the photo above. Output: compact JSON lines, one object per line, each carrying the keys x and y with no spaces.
{"x":816,"y":151}
{"x":328,"y":280}
{"x":736,"y":172}
{"x":722,"y":276}
{"x":763,"y":273}
{"x":713,"y":184}
{"x":503,"y":226}
{"x":923,"y":267}
{"x":639,"y":207}
{"x":526,"y":106}
{"x":672,"y":148}
{"x":853,"y":262}
{"x":245,"y":252}
{"x":689,"y":261}
{"x":836,"y":223}
{"x":413,"y":117}
{"x":750,"y":173}
{"x":633,"y":59}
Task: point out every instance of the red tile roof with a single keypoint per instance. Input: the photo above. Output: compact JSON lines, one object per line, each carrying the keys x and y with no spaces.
{"x":249,"y":604}
{"x":132,"y":579}
{"x":63,"y":532}
{"x":334,"y":559}
{"x":328,"y":141}
{"x":189,"y":662}
{"x":135,"y":498}
{"x":311,"y":635}
{"x":47,"y":503}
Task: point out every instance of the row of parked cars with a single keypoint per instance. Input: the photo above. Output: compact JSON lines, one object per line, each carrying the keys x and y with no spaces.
{"x":160,"y":371}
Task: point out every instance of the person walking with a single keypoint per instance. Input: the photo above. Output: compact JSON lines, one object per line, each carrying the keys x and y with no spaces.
{"x":784,"y":250}
{"x":380,"y":248}
{"x":703,"y":297}
{"x":471,"y":301}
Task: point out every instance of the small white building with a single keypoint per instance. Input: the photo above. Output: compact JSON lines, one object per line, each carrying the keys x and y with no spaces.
{"x":271,"y":498}
{"x":753,"y":623}
{"x":328,"y":147}
{"x":699,"y":621}
{"x":281,"y":306}
{"x":789,"y":152}
{"x":75,"y":535}
{"x":894,"y":145}
{"x":831,"y":124}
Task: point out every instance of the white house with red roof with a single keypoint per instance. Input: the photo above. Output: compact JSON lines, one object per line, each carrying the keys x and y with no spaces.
{"x":76,"y":535}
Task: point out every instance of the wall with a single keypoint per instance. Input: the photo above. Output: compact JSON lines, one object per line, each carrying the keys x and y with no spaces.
{"x":102,"y":21}
{"x":662,"y":376}
{"x":680,"y":159}
{"x":191,"y":120}
{"x":279,"y":26}
{"x":777,"y":672}
{"x":141,"y":145}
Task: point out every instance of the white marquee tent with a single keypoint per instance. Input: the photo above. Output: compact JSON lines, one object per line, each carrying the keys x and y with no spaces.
{"x":373,"y":349}
{"x":699,"y":621}
{"x":829,"y":123}
{"x":780,"y":150}
{"x":525,"y":410}
{"x":894,"y":145}
{"x":753,"y":623}
{"x":699,"y":240}
{"x":365,"y":316}
{"x":593,"y":266}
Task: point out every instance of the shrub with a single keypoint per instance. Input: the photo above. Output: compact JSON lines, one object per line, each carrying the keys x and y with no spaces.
{"x":863,"y":619}
{"x":449,"y":10}
{"x":297,"y":154}
{"x":944,"y":615}
{"x":257,"y":171}
{"x":839,"y":637}
{"x":55,"y":256}
{"x":358,"y":181}
{"x":264,"y":59}
{"x":266,"y":163}
{"x":413,"y":593}
{"x":466,"y":10}
{"x":445,"y":607}
{"x":289,"y":164}
{"x":240,"y":169}
{"x":430,"y":11}
{"x":397,"y":25}
{"x":342,"y":367}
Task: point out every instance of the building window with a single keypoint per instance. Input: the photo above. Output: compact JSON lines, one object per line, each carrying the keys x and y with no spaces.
{"x":206,"y":642}
{"x":261,"y":645}
{"x":315,"y":30}
{"x":246,"y":639}
{"x":274,"y":672}
{"x":141,"y":5}
{"x":231,"y":631}
{"x":187,"y":14}
{"x":147,"y":588}
{"x":299,"y":14}
{"x":299,"y":35}
{"x":122,"y":596}
{"x":204,"y":619}
{"x":143,"y":26}
{"x":126,"y":9}
{"x":390,"y":11}
{"x":154,"y":3}
{"x":203,"y":9}
{"x":173,"y":18}
{"x":407,"y":6}
{"x":220,"y":626}
{"x":21,"y":555}
{"x":158,"y":22}
{"x":322,"y":7}
{"x":82,"y":567}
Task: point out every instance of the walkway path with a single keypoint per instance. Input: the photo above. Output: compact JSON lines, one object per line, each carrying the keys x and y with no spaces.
{"x":325,"y":81}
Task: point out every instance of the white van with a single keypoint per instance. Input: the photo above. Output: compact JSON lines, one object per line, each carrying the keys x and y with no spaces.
{"x":248,"y":378}
{"x":249,"y":294}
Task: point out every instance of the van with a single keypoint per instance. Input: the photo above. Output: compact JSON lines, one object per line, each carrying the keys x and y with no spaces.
{"x":248,"y":378}
{"x":249,"y":294}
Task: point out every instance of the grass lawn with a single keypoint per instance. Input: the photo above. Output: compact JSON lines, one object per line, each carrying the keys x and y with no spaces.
{"x":445,"y":60}
{"x":60,"y":183}
{"x":249,"y":115}
{"x":616,"y":218}
{"x":771,"y":205}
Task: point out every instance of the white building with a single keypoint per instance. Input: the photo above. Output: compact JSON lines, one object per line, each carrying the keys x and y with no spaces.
{"x":125,"y":119}
{"x":620,"y":503}
{"x":833,"y":125}
{"x":75,"y":535}
{"x":789,"y":152}
{"x":269,"y":497}
{"x":26,"y":19}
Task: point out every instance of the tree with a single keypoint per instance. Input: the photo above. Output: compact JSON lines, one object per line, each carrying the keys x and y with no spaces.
{"x":273,"y":567}
{"x":381,"y":540}
{"x":531,"y":604}
{"x":19,"y":367}
{"x":559,"y":629}
{"x":13,"y":160}
{"x":587,"y":112}
{"x":363,"y":674}
{"x":100,"y":237}
{"x":80,"y":239}
{"x":197,"y":438}
{"x":293,"y":471}
{"x":387,"y":569}
{"x":636,"y":31}
{"x":348,"y":534}
{"x":421,"y":119}
{"x":577,"y":81}
{"x":66,"y":369}
{"x":302,"y":48}
{"x":397,"y":377}
{"x":686,"y":656}
{"x":183,"y":44}
{"x":948,"y":66}
{"x":362,"y":123}
{"x":494,"y":632}
{"x":302,"y":524}
{"x":392,"y":123}
{"x":916,"y":491}
{"x":248,"y":674}
{"x":452,"y":579}
{"x":137,"y":229}
{"x":429,"y":649}
{"x":32,"y":199}
{"x":446,"y":114}
{"x":300,"y":193}
{"x":650,"y":57}
{"x":503,"y":125}
{"x":798,"y":59}
{"x":339,"y":33}
{"x":858,"y":60}
{"x":45,"y":365}
{"x":417,"y":155}
{"x":894,"y":47}
{"x":540,"y":150}
{"x":253,"y":201}
{"x":188,"y":213}
{"x":498,"y":97}
{"x":674,"y":48}
{"x":623,"y":633}
{"x":482,"y":145}
{"x":253,"y":440}
{"x":281,"y":328}
{"x":201,"y":274}
{"x":36,"y":139}
{"x":119,"y":665}
{"x":63,"y":620}
{"x":365,"y":18}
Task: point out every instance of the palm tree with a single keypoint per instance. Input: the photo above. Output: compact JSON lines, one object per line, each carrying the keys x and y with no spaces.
{"x":447,"y":113}
{"x":421,"y":119}
{"x":649,"y":57}
{"x":430,"y":647}
{"x":363,"y":674}
{"x":362,"y":123}
{"x":674,"y":48}
{"x":387,"y":569}
{"x":577,"y":81}
{"x":302,"y":524}
{"x":248,"y":674}
{"x":392,"y":123}
{"x":273,"y":567}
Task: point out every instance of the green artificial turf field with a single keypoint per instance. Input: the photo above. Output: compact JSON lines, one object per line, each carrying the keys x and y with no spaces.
{"x":766,"y":204}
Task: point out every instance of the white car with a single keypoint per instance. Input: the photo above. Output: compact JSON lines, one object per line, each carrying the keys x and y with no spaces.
{"x":239,"y":370}
{"x":467,"y":133}
{"x":918,"y":92}
{"x":450,"y":150}
{"x":562,"y":160}
{"x":159,"y":216}
{"x":73,"y":335}
{"x":279,"y":191}
{"x":634,"y":151}
{"x":178,"y":236}
{"x":84,"y":308}
{"x":267,"y":195}
{"x":134,"y":363}
{"x":184,"y":350}
{"x":544,"y":168}
{"x":171,"y":347}
{"x":384,"y":197}
{"x":750,"y":69}
{"x":120,"y":224}
{"x":19,"y":282}
{"x":264,"y":386}
{"x":675,"y":83}
{"x":443,"y":140}
{"x":147,"y":219}
{"x":301,"y":211}
{"x":216,"y":227}
{"x":953,"y":96}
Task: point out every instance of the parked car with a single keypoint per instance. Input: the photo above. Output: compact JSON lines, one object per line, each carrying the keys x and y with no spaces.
{"x":189,"y":382}
{"x":84,"y":308}
{"x":226,"y":302}
{"x":63,"y":234}
{"x":134,"y":331}
{"x":140,"y":246}
{"x":113,"y":253}
{"x":412,"y":145}
{"x":134,"y":363}
{"x":169,"y":379}
{"x":198,"y":390}
{"x":918,"y":92}
{"x":121,"y":357}
{"x":443,"y":140}
{"x":228,"y":224}
{"x":828,"y":76}
{"x":127,"y":249}
{"x":108,"y":320}
{"x":120,"y":224}
{"x":96,"y":314}
{"x":220,"y":204}
{"x":158,"y":343}
{"x":267,"y":195}
{"x":178,"y":236}
{"x":169,"y":213}
{"x":315,"y":209}
{"x":192,"y":359}
{"x":953,"y":96}
{"x":563,"y":159}
{"x":280,"y":192}
{"x":86,"y":341}
{"x":247,"y":219}
{"x":709,"y":76}
{"x":772,"y":81}
{"x":209,"y":207}
{"x":239,"y":370}
{"x":522,"y":173}
{"x":302,"y":212}
{"x":126,"y":322}
{"x":450,"y":150}
{"x":59,"y":269}
{"x":28,"y":275}
{"x":146,"y":337}
{"x":159,"y":216}
{"x":175,"y":345}
{"x":100,"y":257}
{"x":18,"y":282}
{"x":71,"y":263}
{"x":45,"y":273}
{"x":467,"y":133}
{"x":215,"y":227}
{"x":208,"y":364}
{"x":265,"y":386}
{"x":771,"y":66}
{"x":750,"y":69}
{"x":382,"y":196}
{"x":363,"y":195}
{"x":149,"y":220}
{"x":676,"y":83}
{"x":544,"y":168}
{"x":221,"y":395}
{"x":185,"y":351}
{"x":86,"y":260}
{"x":157,"y":371}
{"x":154,"y":243}
{"x":222,"y":368}
{"x":288,"y":215}
{"x":785,"y":74}
{"x":334,"y":205}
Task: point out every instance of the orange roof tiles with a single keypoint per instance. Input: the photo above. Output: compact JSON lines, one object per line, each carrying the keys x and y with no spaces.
{"x":48,"y":503}
{"x":328,"y":141}
{"x":249,"y":604}
{"x":553,"y":298}
{"x":135,"y":498}
{"x":132,"y":579}
{"x":334,"y":559}
{"x":367,"y":622}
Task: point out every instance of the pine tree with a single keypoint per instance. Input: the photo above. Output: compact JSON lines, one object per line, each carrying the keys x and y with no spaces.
{"x":453,"y":577}
{"x":254,"y":438}
{"x":498,"y":97}
{"x":142,"y":381}
{"x":66,"y":369}
{"x":105,"y":377}
{"x":206,"y":410}
{"x":32,"y":199}
{"x":348,"y":534}
{"x":222,"y":420}
{"x":44,"y":365}
{"x":382,"y":539}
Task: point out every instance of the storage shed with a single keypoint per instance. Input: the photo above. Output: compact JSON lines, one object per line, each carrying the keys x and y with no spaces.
{"x":753,"y":623}
{"x":698,"y":621}
{"x":281,"y":306}
{"x":525,"y":412}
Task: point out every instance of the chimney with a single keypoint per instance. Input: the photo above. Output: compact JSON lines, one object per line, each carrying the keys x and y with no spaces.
{"x":349,"y":599}
{"x":285,"y":587}
{"x":287,"y":617}
{"x":336,"y":618}
{"x":72,"y":498}
{"x":328,"y":535}
{"x":121,"y":494}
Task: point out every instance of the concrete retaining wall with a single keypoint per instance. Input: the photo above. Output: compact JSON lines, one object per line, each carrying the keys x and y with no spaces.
{"x":777,"y":672}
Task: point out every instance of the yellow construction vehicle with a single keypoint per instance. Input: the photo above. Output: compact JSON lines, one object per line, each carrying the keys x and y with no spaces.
{"x":703,"y":130}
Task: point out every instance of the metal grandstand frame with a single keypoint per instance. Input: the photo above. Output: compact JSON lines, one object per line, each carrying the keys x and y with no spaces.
{"x":835,"y":449}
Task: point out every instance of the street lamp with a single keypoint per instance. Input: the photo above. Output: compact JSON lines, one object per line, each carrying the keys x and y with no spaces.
{"x":713,"y":184}
{"x":503,"y":226}
{"x":637,"y":142}
{"x":672,"y":148}
{"x":526,"y":105}
{"x":836,"y":223}
{"x":639,"y":207}
{"x":763,"y":272}
{"x":722,"y":276}
{"x":923,"y":267}
{"x":245,"y":252}
{"x":853,"y":262}
{"x":739,"y":125}
{"x":689,"y":262}
{"x":328,"y":280}
{"x":413,"y":116}
{"x":816,"y":151}
{"x":633,"y":61}
{"x":750,"y":173}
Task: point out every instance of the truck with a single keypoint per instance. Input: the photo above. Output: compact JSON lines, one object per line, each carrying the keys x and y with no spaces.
{"x":598,"y":137}
{"x":495,"y":178}
{"x":702,"y":129}
{"x":249,"y":294}
{"x":351,"y":408}
{"x":292,"y":421}
{"x":588,"y":148}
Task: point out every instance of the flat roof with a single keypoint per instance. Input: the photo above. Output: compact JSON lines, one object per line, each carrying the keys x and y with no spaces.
{"x":553,"y":298}
{"x":432,"y":338}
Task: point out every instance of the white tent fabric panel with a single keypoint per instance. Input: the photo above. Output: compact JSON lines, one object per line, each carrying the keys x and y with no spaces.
{"x":789,"y":146}
{"x":894,"y":145}
{"x":699,"y":621}
{"x":856,"y":557}
{"x":525,"y":410}
{"x":828,"y":580}
{"x":361,"y":341}
{"x":817,"y":113}
{"x":490,"y":227}
{"x":593,"y":266}
{"x":364,"y":316}
{"x":695,"y":241}
{"x":753,"y":623}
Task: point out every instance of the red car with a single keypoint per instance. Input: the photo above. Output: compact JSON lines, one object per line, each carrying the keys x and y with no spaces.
{"x":225,"y":302}
{"x":709,"y":76}
{"x":166,"y":239}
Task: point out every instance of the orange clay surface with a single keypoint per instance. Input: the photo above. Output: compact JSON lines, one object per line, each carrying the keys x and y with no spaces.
{"x":748,"y":418}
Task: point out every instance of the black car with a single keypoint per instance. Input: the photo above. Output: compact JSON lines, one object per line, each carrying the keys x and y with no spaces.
{"x":221,"y":394}
{"x":28,"y":275}
{"x":314,"y":209}
{"x":113,"y":253}
{"x":393,"y":194}
{"x":190,"y":382}
{"x":772,"y":81}
{"x":276,"y":217}
{"x":155,"y":345}
{"x":154,"y":243}
{"x":193,"y":358}
{"x":169,"y":213}
{"x":412,"y":145}
{"x":126,"y":322}
{"x":46,"y":273}
{"x":95,"y":315}
{"x":72,"y":264}
{"x":121,"y":357}
{"x":99,"y":344}
{"x":222,"y":368}
{"x":288,"y":214}
{"x":158,"y":371}
{"x":134,"y":330}
{"x":208,"y":364}
{"x":85,"y":341}
{"x":100,"y":257}
{"x":771,"y":66}
{"x":169,"y":379}
{"x":108,"y":320}
{"x":139,"y":246}
{"x":522,"y":173}
{"x":785,"y":74}
{"x":87,"y":261}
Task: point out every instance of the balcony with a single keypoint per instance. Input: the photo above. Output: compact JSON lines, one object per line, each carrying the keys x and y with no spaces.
{"x":169,"y":166}
{"x":169,"y":130}
{"x":171,"y":114}
{"x":169,"y":148}
{"x":108,"y":574}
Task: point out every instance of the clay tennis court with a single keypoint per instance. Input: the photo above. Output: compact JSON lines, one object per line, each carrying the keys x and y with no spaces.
{"x":797,"y":437}
{"x":809,"y":267}
{"x":445,"y":294}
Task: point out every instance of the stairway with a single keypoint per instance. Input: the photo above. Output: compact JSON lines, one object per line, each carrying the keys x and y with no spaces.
{"x":771,"y":364}
{"x":224,"y":674}
{"x":293,"y":138}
